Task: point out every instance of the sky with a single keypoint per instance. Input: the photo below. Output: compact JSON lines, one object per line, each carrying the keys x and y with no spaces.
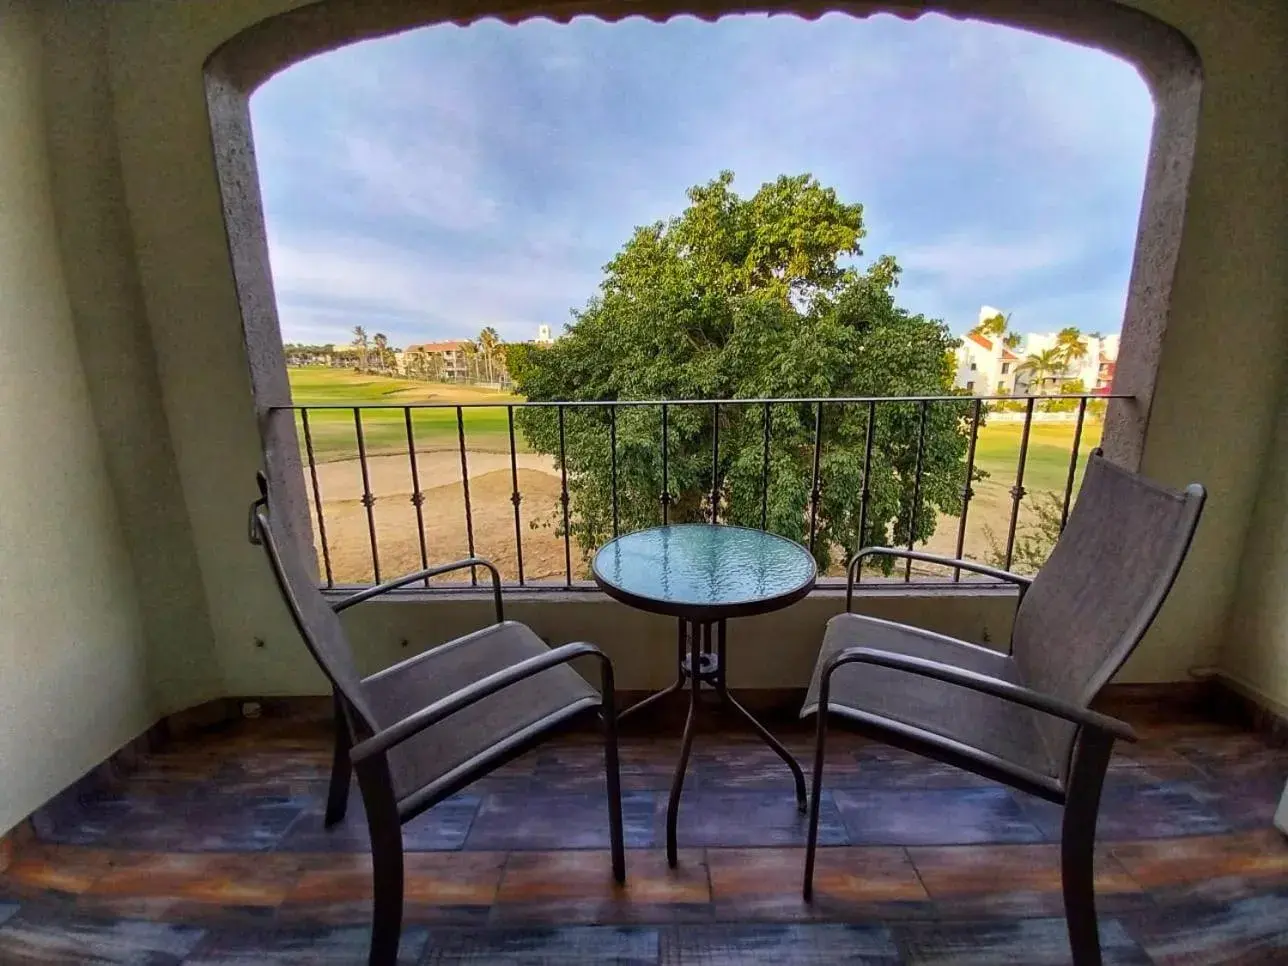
{"x":448,"y":178}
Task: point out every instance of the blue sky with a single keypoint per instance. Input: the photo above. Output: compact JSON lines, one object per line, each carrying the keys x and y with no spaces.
{"x":432,"y":183}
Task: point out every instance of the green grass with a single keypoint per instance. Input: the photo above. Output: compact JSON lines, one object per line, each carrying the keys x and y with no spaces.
{"x":997,"y":451}
{"x":1046,"y":466}
{"x":334,"y":434}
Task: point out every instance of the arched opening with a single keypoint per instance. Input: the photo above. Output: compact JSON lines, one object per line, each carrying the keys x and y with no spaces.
{"x":1164,"y":59}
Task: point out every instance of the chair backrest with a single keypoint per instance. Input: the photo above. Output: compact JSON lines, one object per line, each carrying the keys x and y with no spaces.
{"x":317,"y":623}
{"x":1101,"y":588}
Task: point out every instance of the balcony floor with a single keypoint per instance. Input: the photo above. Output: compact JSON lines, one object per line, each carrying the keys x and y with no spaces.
{"x":212,"y":852}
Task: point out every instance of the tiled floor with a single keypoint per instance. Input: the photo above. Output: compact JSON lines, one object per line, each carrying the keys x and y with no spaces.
{"x":212,"y":852}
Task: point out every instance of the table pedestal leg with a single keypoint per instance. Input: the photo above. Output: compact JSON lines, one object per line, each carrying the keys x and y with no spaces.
{"x":694,"y":633}
{"x":669,"y":689}
{"x":701,"y":665}
{"x":727,"y":697}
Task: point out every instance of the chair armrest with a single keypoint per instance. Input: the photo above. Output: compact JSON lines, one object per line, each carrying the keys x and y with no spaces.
{"x":388,"y":585}
{"x":854,"y":571}
{"x":430,"y":715}
{"x":984,"y":683}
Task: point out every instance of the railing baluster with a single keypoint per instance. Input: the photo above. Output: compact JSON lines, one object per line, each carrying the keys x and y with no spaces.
{"x":916,"y":488}
{"x":968,"y":491}
{"x":317,"y":497}
{"x":1073,"y":464}
{"x":715,"y":461}
{"x":666,"y":479}
{"x":515,"y":497}
{"x":612,"y":445}
{"x":417,"y":497}
{"x":368,"y":500}
{"x":764,"y":476}
{"x":465,"y":487}
{"x":1018,"y":491}
{"x":815,"y":491}
{"x":866,"y":494}
{"x":867,"y":523}
{"x":563,"y":499}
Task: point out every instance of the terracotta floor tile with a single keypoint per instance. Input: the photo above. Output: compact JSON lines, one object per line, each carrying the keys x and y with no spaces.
{"x":1001,"y":869}
{"x":61,"y":868}
{"x":853,"y":874}
{"x":543,"y":876}
{"x":1168,"y":862}
{"x":442,"y":878}
{"x":271,"y":886}
{"x":236,"y":880}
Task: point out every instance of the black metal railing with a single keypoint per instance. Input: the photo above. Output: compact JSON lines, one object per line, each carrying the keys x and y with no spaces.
{"x":972,"y":412}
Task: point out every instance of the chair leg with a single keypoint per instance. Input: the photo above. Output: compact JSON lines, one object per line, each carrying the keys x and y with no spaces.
{"x":816,"y":793}
{"x":386,"y":861}
{"x":1078,"y":844}
{"x":337,"y":799}
{"x":612,"y":771}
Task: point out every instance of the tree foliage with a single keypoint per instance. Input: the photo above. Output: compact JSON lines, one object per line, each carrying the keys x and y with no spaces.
{"x":748,"y":298}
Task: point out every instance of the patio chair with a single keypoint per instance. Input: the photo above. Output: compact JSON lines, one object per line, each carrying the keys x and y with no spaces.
{"x":421,"y":730}
{"x":1022,"y":717}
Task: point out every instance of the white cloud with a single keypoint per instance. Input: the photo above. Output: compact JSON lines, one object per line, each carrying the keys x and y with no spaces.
{"x":437,"y":182}
{"x":975,"y":260}
{"x":349,"y":278}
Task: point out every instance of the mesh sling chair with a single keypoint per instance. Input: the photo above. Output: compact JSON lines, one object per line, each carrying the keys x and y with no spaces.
{"x":1022,"y":718}
{"x":421,"y":730}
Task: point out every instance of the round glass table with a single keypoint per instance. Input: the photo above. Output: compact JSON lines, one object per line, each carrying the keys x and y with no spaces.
{"x":703,"y":574}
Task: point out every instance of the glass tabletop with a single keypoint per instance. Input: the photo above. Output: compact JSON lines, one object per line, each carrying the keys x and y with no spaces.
{"x":691,"y":569}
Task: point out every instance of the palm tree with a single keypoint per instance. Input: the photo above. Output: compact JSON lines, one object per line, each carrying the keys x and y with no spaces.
{"x":1012,"y":340}
{"x":489,"y":343}
{"x":994,"y":326}
{"x":1042,"y":365}
{"x":360,"y":340}
{"x":1071,"y":345}
{"x":470,"y":351}
{"x":382,"y":351}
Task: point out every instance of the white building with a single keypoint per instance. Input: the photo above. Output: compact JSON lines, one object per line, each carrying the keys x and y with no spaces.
{"x":985,"y":367}
{"x":543,"y":335}
{"x":1095,"y":370}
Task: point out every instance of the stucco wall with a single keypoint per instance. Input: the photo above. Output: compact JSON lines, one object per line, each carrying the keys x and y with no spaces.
{"x":1224,"y":352}
{"x":73,"y":682}
{"x":1211,"y":414}
{"x":113,"y":336}
{"x":1259,"y":620}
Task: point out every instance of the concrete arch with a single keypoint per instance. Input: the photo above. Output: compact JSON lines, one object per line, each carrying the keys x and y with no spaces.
{"x":1167,"y":61}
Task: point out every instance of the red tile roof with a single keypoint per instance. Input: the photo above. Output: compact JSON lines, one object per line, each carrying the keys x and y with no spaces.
{"x":979,"y":340}
{"x":1008,"y":355}
{"x":436,"y":347}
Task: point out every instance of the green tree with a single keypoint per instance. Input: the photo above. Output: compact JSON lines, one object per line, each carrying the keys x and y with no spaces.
{"x":489,"y":350}
{"x":360,"y":343}
{"x":1042,"y":366}
{"x":1012,"y":340}
{"x":994,"y":326}
{"x":1071,"y":345}
{"x":470,"y":352}
{"x":383,"y":356}
{"x":750,"y":298}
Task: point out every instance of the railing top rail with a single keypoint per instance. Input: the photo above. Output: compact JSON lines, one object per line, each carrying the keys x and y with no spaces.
{"x":802,"y":400}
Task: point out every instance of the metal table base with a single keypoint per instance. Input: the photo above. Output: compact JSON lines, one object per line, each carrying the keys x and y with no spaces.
{"x":696,"y":664}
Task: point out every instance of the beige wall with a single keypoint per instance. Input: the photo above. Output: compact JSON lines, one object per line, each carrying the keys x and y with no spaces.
{"x":1256,"y":659}
{"x":1227,"y":314}
{"x":1223,"y":355}
{"x":774,"y":651}
{"x":156,"y":244}
{"x":113,"y":336}
{"x":73,"y":682}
